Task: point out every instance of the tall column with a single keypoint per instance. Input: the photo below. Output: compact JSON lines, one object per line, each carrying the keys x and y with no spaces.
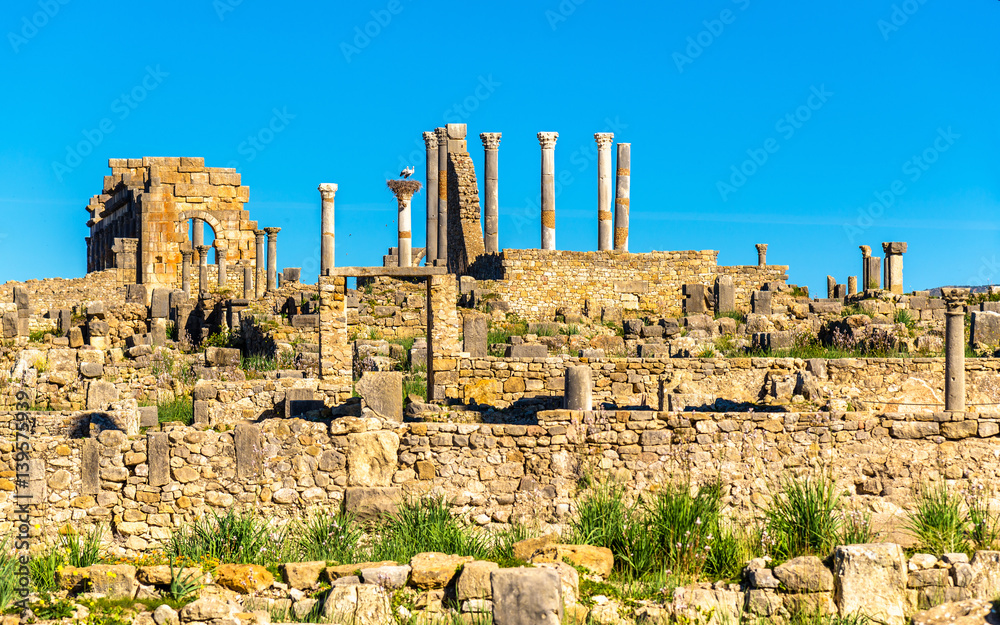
{"x":431,"y":142}
{"x":761,"y":254}
{"x":605,"y":220}
{"x":442,"y":194}
{"x":622,"y":196}
{"x":221,"y":247}
{"x":198,"y":234}
{"x":272,"y":258}
{"x":247,"y":281}
{"x":404,"y":190}
{"x":894,"y":266}
{"x":260,"y":279}
{"x":203,"y":268}
{"x":186,"y":271}
{"x":491,"y":210}
{"x":866,"y":252}
{"x":548,"y":142}
{"x":954,"y":355}
{"x":327,"y":192}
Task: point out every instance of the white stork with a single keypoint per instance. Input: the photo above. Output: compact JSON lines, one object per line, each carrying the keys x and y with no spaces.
{"x":406,"y":173}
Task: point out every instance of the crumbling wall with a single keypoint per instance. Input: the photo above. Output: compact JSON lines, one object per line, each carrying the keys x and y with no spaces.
{"x":465,"y":230}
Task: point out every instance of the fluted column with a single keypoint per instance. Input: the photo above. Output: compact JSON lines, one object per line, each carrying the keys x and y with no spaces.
{"x":261,"y":276}
{"x":221,"y":247}
{"x":442,"y":194}
{"x":431,"y":143}
{"x":272,"y":258}
{"x":954,"y":355}
{"x":203,"y":268}
{"x":186,"y":271}
{"x":761,"y":254}
{"x":404,"y":190}
{"x":547,"y":140}
{"x":491,"y":209}
{"x":624,"y":174}
{"x":327,"y":192}
{"x":605,"y":221}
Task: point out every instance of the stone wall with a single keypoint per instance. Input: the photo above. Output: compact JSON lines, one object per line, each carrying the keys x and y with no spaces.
{"x":465,"y":230}
{"x":537,"y":283}
{"x":392,"y":308}
{"x":145,"y":485}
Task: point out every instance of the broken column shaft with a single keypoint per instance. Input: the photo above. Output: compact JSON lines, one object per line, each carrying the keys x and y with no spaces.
{"x":442,"y":195}
{"x":203,"y":268}
{"x":261,"y":275}
{"x":186,"y":256}
{"x":404,"y":190}
{"x":327,"y":192}
{"x":622,"y":196}
{"x":272,"y":258}
{"x":761,"y":254}
{"x":894,"y":266}
{"x":221,"y":247}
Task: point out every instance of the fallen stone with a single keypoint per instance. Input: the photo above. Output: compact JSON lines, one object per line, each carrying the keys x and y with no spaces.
{"x":382,"y":392}
{"x":474,"y":581}
{"x":871,"y":580}
{"x":243,"y":578}
{"x":388,"y":577}
{"x":805,"y":574}
{"x":525,"y":596}
{"x":301,"y":574}
{"x":435,"y":570}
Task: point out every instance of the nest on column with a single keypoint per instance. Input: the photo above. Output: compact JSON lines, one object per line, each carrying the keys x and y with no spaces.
{"x":404,"y":187}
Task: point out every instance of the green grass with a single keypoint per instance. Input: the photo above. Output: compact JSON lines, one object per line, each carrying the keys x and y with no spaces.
{"x":802,"y":519}
{"x":178,"y":409}
{"x":235,"y":538}
{"x":854,"y":309}
{"x":38,"y":336}
{"x":571,"y":330}
{"x":85,"y":550}
{"x":732,"y":314}
{"x":426,"y":525}
{"x":8,"y":568}
{"x":904,"y":317}
{"x":414,"y":386}
{"x":545,"y":331}
{"x":325,"y":535}
{"x":938,"y":523}
{"x":43,"y":568}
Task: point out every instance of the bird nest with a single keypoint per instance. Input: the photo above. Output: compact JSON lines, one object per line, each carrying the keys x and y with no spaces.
{"x":404,"y":187}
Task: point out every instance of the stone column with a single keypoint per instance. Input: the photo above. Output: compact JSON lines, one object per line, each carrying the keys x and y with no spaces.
{"x":831,"y":285}
{"x":761,"y":254}
{"x":186,"y":256}
{"x":605,"y":221}
{"x":579,"y":392}
{"x":221,"y":247}
{"x":622,"y":196}
{"x":954,"y":355}
{"x":272,"y":258}
{"x":261,"y":276}
{"x":431,"y":142}
{"x":866,"y":252}
{"x":327,"y":191}
{"x":548,"y":142}
{"x":247,"y":281}
{"x":442,"y":195}
{"x":203,"y":268}
{"x":404,"y":190}
{"x":491,"y":209}
{"x":894,"y":266}
{"x":852,"y":285}
{"x":198,"y":234}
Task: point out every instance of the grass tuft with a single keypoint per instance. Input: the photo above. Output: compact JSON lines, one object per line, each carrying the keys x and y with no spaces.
{"x":802,"y":519}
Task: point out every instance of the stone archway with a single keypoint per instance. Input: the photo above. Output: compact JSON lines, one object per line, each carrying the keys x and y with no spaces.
{"x":205,"y":216}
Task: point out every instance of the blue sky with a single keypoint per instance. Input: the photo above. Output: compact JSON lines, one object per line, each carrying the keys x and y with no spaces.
{"x":814,"y":127}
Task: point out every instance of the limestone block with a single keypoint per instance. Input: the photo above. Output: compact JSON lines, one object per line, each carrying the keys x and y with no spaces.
{"x":116,"y":581}
{"x":985,"y":330}
{"x":435,"y":570}
{"x":222,"y":357}
{"x":871,"y":579}
{"x":805,"y":574}
{"x":91,"y":369}
{"x":148,"y":416}
{"x":569,"y":578}
{"x":382,"y":392}
{"x":474,"y":581}
{"x":302,"y":574}
{"x":526,"y":597}
{"x":159,"y":307}
{"x":526,"y":351}
{"x":101,"y":394}
{"x":725,"y":295}
{"x":391,"y":577}
{"x":159,"y":574}
{"x":598,"y":560}
{"x":475,"y":335}
{"x":985,"y":578}
{"x":291,"y":274}
{"x":209,"y":609}
{"x":371,"y":503}
{"x":243,"y":578}
{"x":299,"y":401}
{"x":760,"y":302}
{"x":357,"y":604}
{"x":968,"y":612}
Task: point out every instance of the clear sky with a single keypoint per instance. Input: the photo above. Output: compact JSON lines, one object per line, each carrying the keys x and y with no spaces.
{"x":814,"y":127}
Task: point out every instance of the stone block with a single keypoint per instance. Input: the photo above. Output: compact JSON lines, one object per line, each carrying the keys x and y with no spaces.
{"x":871,"y":580}
{"x":222,"y":357}
{"x":91,"y":369}
{"x":698,"y":298}
{"x":291,"y":274}
{"x":371,"y":503}
{"x":653,"y":350}
{"x":135,"y":294}
{"x":826,"y":307}
{"x":390,"y":577}
{"x":201,"y":412}
{"x":527,"y":351}
{"x":985,"y":329}
{"x":249,"y":450}
{"x":101,"y":394}
{"x":525,"y":596}
{"x":90,"y":468}
{"x":299,"y":401}
{"x":382,"y":392}
{"x":305,"y":321}
{"x":148,"y":416}
{"x":115,"y":581}
{"x":475,"y":335}
{"x":805,"y":574}
{"x":432,"y":570}
{"x":158,"y":458}
{"x":75,"y":338}
{"x":159,"y":307}
{"x":760,"y":302}
{"x":371,"y":458}
{"x":21,"y":298}
{"x":474,"y":581}
{"x":11,"y":329}
{"x":725,"y":295}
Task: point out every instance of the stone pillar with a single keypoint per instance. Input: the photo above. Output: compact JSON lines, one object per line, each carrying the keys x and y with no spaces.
{"x":203,"y":268}
{"x":548,"y":142}
{"x":491,"y":209}
{"x":894,"y":266}
{"x":272,"y":258}
{"x":852,"y":285}
{"x":261,"y":276}
{"x":186,"y":256}
{"x":247,"y":281}
{"x":442,"y":195}
{"x":443,"y":328}
{"x":327,"y":191}
{"x":622,"y":196}
{"x":725,"y":295}
{"x":579,"y":389}
{"x":605,"y":221}
{"x":761,"y":254}
{"x":404,"y":190}
{"x":954,"y":355}
{"x":431,"y":142}
{"x":221,"y":247}
{"x":831,"y":286}
{"x":198,"y":234}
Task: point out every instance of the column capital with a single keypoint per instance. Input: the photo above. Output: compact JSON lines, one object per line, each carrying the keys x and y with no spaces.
{"x":272,"y":233}
{"x":442,"y":136}
{"x":761,"y":247}
{"x":430,"y":139}
{"x":894,"y":248}
{"x":604,"y":139}
{"x":491,"y":140}
{"x":203,"y":249}
{"x":866,"y":251}
{"x":955,"y":299}
{"x":328,"y":190}
{"x":187,"y":255}
{"x":547,"y":139}
{"x":259,"y":233}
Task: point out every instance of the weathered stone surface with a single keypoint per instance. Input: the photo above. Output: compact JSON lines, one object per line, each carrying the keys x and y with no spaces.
{"x":382,"y":391}
{"x":334,"y":573}
{"x":370,"y":503}
{"x":598,"y":560}
{"x":357,"y":604}
{"x":526,"y":597}
{"x":524,"y":550}
{"x":968,"y":612}
{"x":871,"y":580}
{"x":985,"y":579}
{"x":208,"y":609}
{"x":474,"y":334}
{"x":435,"y":570}
{"x":222,"y":357}
{"x":526,"y":351}
{"x":985,"y":330}
{"x":474,"y":581}
{"x":568,"y":577}
{"x":302,"y":574}
{"x":101,"y":394}
{"x":390,"y":577}
{"x":159,"y":574}
{"x":371,"y":458}
{"x":805,"y":574}
{"x":243,"y":578}
{"x":116,"y":581}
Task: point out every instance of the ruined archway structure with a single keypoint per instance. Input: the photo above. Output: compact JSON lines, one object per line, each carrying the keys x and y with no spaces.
{"x":138,"y":225}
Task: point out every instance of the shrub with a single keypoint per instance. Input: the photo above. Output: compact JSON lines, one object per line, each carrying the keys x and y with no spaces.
{"x":732,"y":314}
{"x":856,"y":528}
{"x":426,"y":525}
{"x":904,"y":317}
{"x":938,"y":523}
{"x":325,"y":535}
{"x":236,"y":537}
{"x":802,"y":518}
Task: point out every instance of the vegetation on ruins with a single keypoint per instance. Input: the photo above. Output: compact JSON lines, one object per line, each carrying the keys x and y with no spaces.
{"x":944,"y":521}
{"x":802,"y":518}
{"x":38,"y":336}
{"x":8,"y":566}
{"x":180,"y":408}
